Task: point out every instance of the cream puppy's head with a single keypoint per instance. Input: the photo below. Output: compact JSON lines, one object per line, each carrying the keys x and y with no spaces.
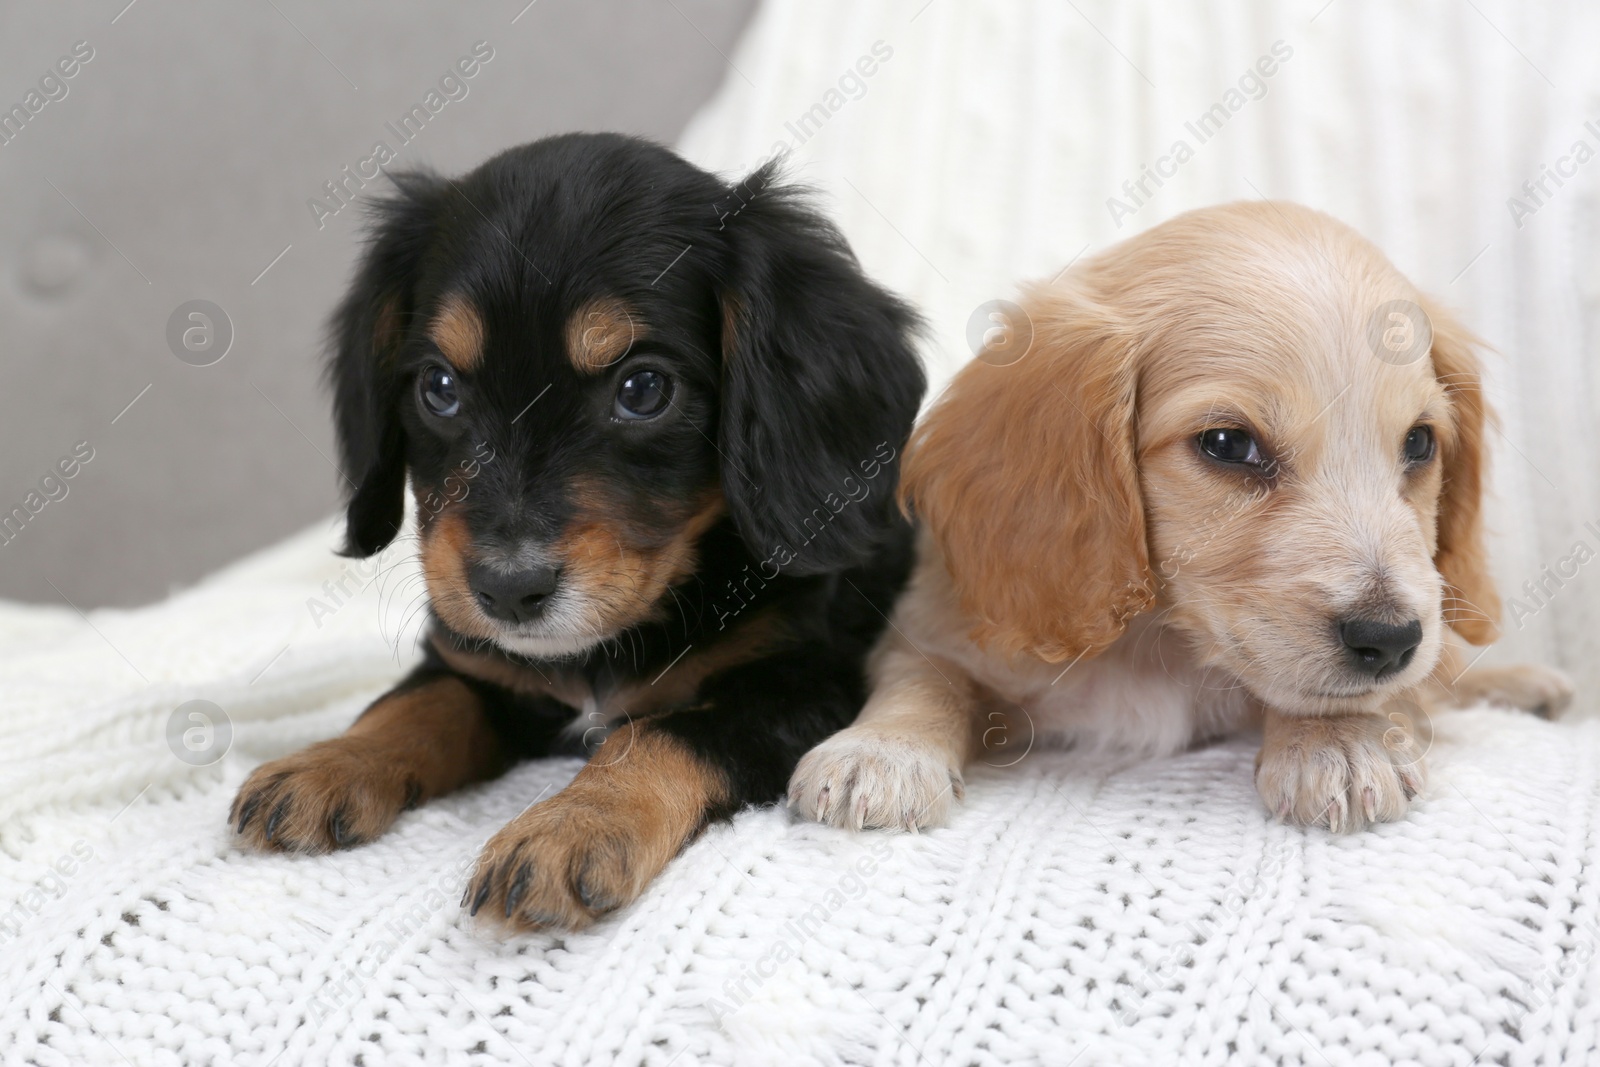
{"x":1244,"y":419}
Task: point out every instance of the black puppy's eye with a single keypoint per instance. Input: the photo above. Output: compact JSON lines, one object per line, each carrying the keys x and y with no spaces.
{"x":439,"y":391}
{"x":1419,"y":445}
{"x":1230,"y":445}
{"x":643,"y":394}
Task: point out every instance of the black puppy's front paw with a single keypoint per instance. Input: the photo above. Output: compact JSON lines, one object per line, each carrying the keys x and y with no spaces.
{"x":566,"y":862}
{"x":332,"y":795}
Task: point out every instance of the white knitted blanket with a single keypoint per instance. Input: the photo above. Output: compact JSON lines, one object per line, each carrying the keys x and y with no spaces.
{"x":1072,"y":912}
{"x":1147,"y":914}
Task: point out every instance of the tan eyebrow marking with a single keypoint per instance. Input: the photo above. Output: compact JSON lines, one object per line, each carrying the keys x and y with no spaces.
{"x":600,"y":332}
{"x":458,"y":331}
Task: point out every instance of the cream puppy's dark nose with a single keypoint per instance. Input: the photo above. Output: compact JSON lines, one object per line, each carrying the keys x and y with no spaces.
{"x":1379,"y":648}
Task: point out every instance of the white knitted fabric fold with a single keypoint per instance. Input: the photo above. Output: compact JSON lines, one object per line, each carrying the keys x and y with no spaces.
{"x":1073,"y":912}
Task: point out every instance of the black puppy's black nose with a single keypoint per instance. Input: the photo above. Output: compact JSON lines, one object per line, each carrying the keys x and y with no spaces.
{"x":513,"y":596}
{"x":1380,"y":648}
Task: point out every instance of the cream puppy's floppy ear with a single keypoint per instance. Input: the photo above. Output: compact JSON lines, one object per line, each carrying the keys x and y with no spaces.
{"x":1025,"y":474}
{"x":1471,"y":604}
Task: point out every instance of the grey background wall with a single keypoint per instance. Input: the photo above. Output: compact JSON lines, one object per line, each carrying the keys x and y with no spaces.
{"x":176,"y":164}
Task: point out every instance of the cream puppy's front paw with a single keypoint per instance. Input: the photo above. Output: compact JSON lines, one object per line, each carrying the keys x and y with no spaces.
{"x":864,"y":778}
{"x":1339,"y":771}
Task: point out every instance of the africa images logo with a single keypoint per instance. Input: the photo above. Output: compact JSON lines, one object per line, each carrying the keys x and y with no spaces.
{"x":743,"y":589}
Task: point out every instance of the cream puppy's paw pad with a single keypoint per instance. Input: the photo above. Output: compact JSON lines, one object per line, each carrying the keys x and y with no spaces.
{"x":862,"y":779}
{"x":1342,"y":772}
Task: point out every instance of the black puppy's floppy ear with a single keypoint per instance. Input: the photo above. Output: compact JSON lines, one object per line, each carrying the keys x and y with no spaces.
{"x":367,"y":331}
{"x":820,"y":384}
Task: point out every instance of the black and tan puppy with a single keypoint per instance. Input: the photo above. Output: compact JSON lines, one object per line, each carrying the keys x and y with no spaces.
{"x":653,"y":425}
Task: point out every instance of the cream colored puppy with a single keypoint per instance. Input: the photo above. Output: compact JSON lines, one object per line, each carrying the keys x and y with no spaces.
{"x":1234,"y":481}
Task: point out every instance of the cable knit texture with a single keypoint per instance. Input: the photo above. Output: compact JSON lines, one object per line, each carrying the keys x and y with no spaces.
{"x":1074,"y":911}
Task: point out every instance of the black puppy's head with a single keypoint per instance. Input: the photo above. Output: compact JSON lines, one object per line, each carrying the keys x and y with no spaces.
{"x":585,"y":354}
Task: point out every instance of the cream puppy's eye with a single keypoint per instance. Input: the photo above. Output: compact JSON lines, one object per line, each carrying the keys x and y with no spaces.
{"x":1231,"y":445}
{"x":1419,"y":445}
